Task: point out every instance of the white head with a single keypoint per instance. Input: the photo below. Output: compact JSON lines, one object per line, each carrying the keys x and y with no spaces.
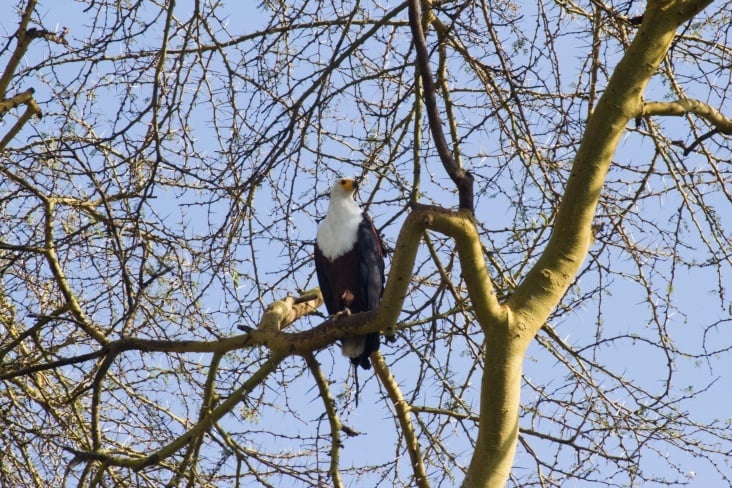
{"x":338,"y":232}
{"x":344,"y":188}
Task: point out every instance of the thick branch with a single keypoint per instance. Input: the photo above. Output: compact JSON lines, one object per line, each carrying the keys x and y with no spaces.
{"x":14,"y":101}
{"x":20,"y":49}
{"x":546,"y":283}
{"x":500,"y":397}
{"x":685,"y":106}
{"x":461,"y":227}
{"x":31,"y":110}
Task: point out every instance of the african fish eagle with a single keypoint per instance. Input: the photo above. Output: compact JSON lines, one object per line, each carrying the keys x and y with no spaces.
{"x":349,"y":260}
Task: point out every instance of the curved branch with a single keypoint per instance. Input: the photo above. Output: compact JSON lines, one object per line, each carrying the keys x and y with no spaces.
{"x":458,"y":225}
{"x":546,"y":283}
{"x":461,"y":227}
{"x":63,"y":284}
{"x":685,"y":106}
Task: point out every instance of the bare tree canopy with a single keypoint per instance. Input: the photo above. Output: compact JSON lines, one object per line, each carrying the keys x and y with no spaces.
{"x":552,"y":183}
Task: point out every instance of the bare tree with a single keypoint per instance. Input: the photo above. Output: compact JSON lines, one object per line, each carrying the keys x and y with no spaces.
{"x":552,"y":181}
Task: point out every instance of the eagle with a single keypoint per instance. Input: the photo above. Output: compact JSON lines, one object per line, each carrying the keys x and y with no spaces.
{"x":349,"y":261}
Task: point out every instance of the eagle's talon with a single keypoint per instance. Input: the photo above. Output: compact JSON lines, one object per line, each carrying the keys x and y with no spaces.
{"x":343,"y":313}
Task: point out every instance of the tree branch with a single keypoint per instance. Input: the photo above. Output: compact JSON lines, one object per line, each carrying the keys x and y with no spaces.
{"x":23,"y":42}
{"x":63,"y":284}
{"x":333,"y":419}
{"x":12,"y":102}
{"x":685,"y":106}
{"x":208,"y":402}
{"x":458,"y":225}
{"x":402,"y":414}
{"x":31,"y":109}
{"x":546,"y":283}
{"x":51,"y":365}
{"x":282,"y":313}
{"x":463,"y":179}
{"x":203,"y":425}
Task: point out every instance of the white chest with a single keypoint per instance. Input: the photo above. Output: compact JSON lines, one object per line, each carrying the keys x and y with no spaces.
{"x":338,"y":232}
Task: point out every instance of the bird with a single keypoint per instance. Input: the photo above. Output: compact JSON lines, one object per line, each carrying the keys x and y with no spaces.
{"x":349,"y":263}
